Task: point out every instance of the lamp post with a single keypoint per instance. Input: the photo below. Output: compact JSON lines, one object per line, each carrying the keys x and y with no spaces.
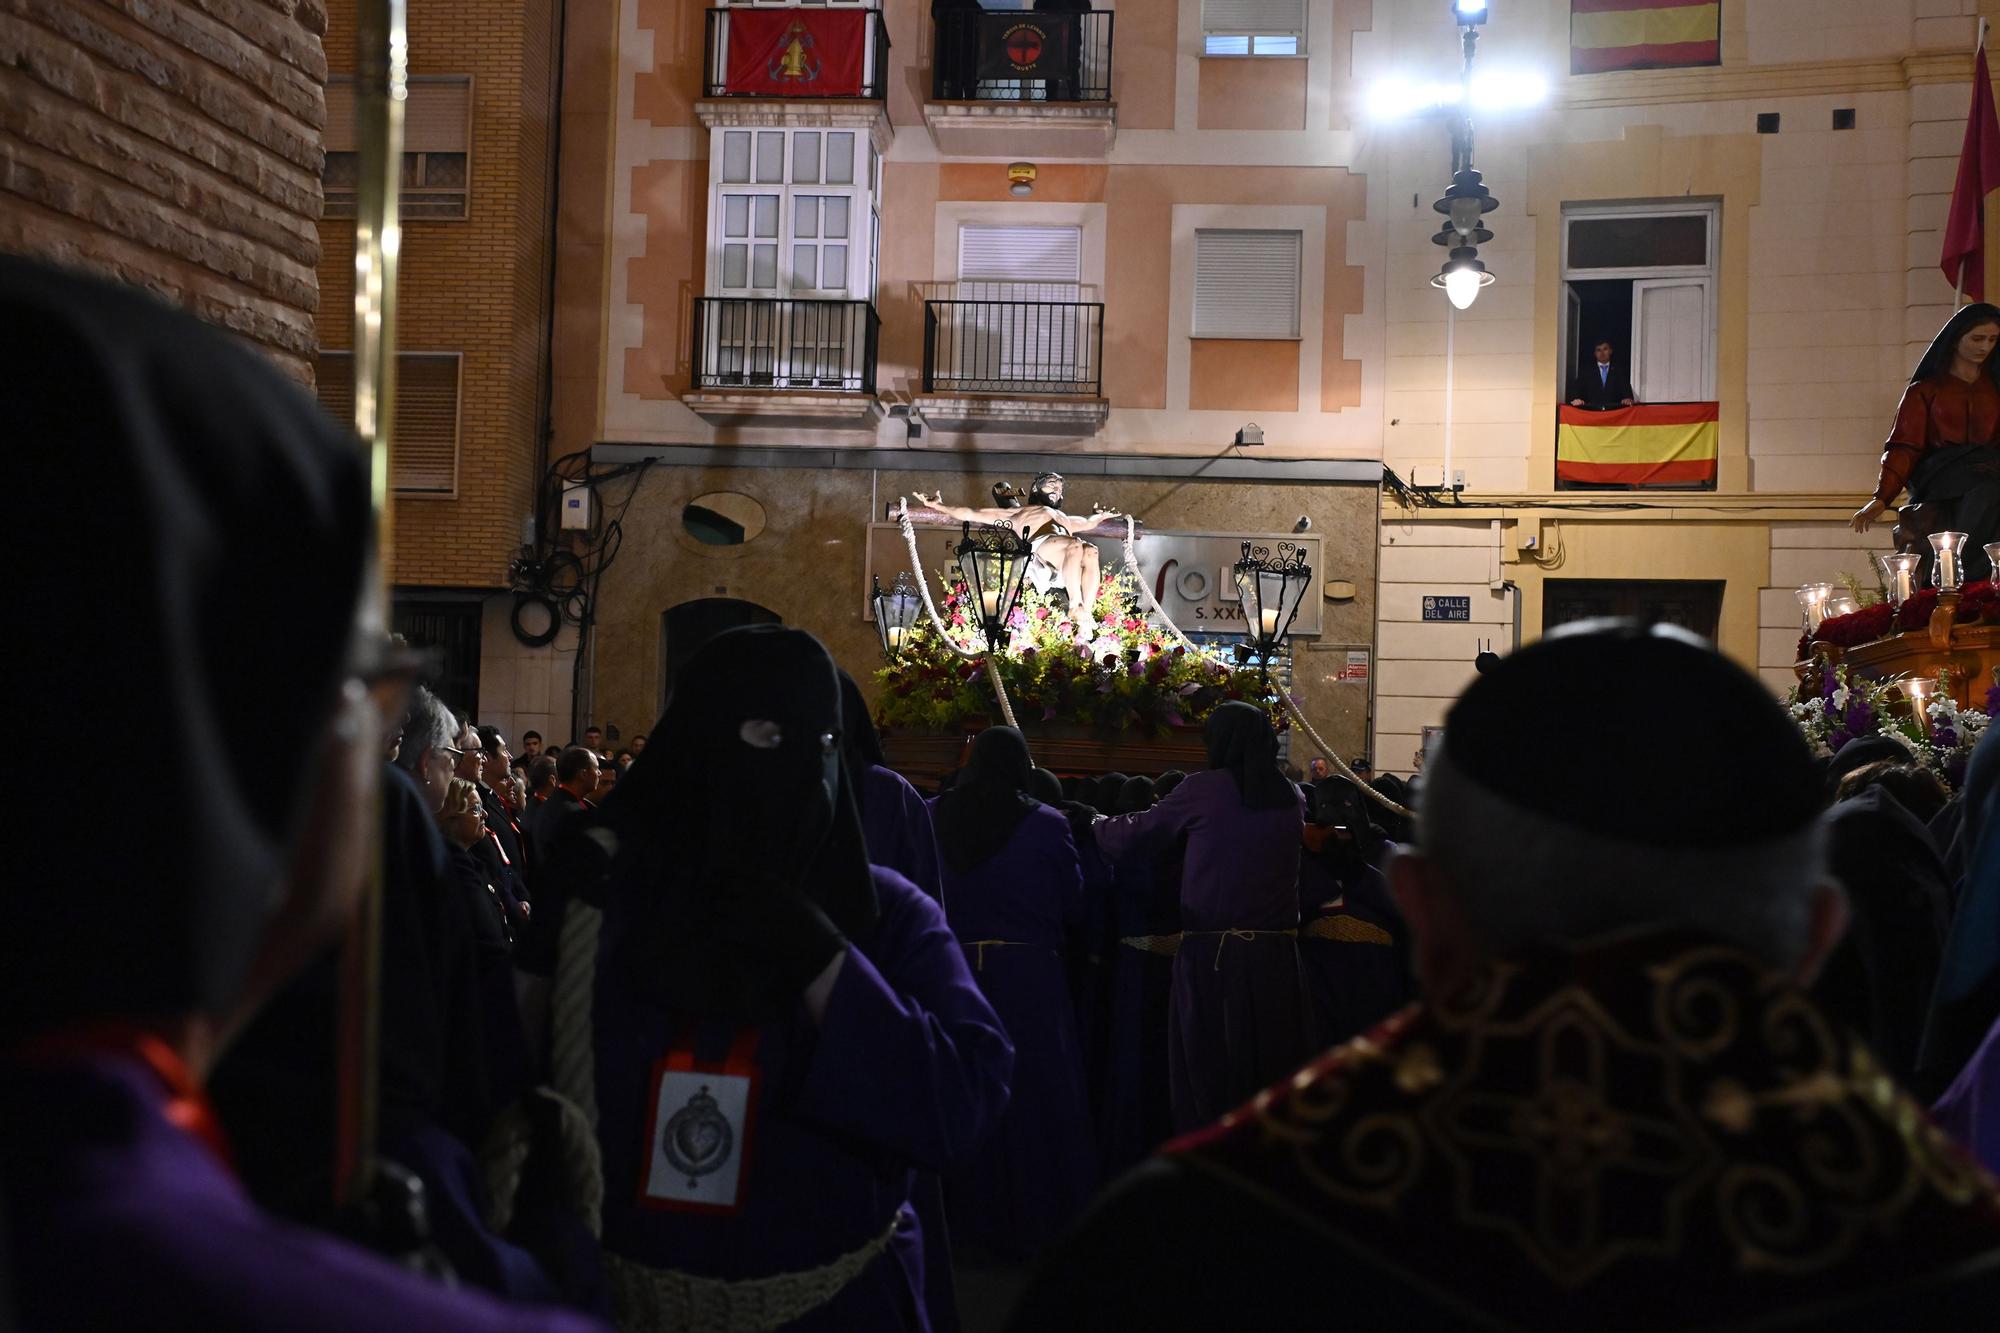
{"x":895,"y":613}
{"x":993,"y":561}
{"x":1468,"y":200}
{"x":1272,"y":588}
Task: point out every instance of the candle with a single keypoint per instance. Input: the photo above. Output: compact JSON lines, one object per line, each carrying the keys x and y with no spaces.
{"x":1947,"y":573}
{"x":1812,"y":600}
{"x":1899,"y":576}
{"x":990,"y":599}
{"x":1920,"y":691}
{"x":896,"y":633}
{"x":1842,"y":604}
{"x":1270,"y":620}
{"x":1992,"y":550}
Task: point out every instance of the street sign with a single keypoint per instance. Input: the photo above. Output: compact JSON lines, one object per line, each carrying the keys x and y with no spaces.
{"x":1447,"y":608}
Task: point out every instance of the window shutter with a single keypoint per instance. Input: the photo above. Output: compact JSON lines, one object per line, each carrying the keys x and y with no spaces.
{"x":1254,"y":16}
{"x":423,"y":451}
{"x":1246,"y":284}
{"x":1020,"y":254}
{"x":437,"y":116}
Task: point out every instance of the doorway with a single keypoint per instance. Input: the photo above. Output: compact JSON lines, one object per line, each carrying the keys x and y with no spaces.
{"x":452,"y":630}
{"x":685,"y":628}
{"x":1694,"y":605}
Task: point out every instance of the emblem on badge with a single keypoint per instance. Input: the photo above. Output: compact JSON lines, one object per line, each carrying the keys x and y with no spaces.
{"x":698,"y":1139}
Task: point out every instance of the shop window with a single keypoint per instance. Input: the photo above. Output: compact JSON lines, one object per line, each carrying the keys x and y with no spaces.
{"x":437,"y":156}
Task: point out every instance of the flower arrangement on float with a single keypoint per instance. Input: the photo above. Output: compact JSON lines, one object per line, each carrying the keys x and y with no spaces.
{"x":1133,"y":675}
{"x":1835,"y":706}
{"x":1978,"y":603}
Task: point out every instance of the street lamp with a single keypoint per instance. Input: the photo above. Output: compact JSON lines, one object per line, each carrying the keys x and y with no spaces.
{"x":1469,"y":13}
{"x":993,"y":561}
{"x":895,"y":612}
{"x":1271,"y":587}
{"x":1462,"y":277}
{"x":1468,"y":199}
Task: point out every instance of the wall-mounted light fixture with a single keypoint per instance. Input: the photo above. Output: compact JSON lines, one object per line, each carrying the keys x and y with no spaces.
{"x":1020,"y":178}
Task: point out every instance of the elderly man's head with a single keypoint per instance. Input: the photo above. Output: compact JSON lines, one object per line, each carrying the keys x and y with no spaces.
{"x":1556,"y":811}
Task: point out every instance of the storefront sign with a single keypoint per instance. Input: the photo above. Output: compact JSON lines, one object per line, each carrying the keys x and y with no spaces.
{"x":1357,"y":666}
{"x":1189,"y":572}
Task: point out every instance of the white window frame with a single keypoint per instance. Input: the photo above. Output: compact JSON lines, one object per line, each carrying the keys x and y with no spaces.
{"x":1298,"y":287}
{"x":862,"y":211}
{"x":1220,"y":35}
{"x":1706,"y":274}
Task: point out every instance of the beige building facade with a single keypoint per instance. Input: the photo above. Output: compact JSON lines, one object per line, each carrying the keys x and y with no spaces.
{"x":913,"y":274}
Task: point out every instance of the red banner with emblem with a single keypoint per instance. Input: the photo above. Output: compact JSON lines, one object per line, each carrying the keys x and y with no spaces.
{"x":797,"y":52}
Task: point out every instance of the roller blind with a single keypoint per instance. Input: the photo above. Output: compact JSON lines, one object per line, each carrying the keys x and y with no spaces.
{"x":437,"y":115}
{"x":1254,"y":16}
{"x":423,"y":450}
{"x":1021,"y":263}
{"x":1246,"y":284}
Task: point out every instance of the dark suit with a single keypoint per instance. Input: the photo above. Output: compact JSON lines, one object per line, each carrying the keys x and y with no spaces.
{"x":1601,"y":390}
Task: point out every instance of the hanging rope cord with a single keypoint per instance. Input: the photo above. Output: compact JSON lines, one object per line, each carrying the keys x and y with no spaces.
{"x":937,"y":621}
{"x":1284,"y":696}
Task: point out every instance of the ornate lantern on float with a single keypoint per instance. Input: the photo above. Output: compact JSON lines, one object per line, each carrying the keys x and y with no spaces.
{"x":895,"y":612}
{"x":1992,"y":550}
{"x":1272,"y":588}
{"x":993,"y":561}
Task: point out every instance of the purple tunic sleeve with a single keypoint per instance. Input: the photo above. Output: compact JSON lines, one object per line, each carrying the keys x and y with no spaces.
{"x":910,"y":1054}
{"x":921,"y":838}
{"x":1127,"y":835}
{"x":1069,"y":878}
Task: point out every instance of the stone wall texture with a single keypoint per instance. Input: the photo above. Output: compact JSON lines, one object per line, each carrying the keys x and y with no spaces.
{"x":476,"y":285}
{"x":175,"y":145}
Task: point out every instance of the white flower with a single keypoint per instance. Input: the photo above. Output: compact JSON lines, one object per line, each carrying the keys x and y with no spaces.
{"x":1840,"y":697}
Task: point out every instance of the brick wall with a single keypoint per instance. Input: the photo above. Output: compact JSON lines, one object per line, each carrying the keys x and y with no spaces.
{"x":476,"y":286}
{"x":174,"y":145}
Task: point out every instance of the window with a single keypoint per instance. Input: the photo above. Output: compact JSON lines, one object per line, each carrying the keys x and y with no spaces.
{"x":437,"y":133}
{"x":423,"y":447}
{"x":1643,"y":279}
{"x":1246,"y":284}
{"x":1020,"y":263}
{"x":1253,"y":27}
{"x":786,"y":214}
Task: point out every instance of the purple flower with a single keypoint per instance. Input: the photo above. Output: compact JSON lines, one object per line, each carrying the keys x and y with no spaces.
{"x":1049,"y":713}
{"x":1860,"y":717}
{"x":1947,"y":739}
{"x":1993,"y":700}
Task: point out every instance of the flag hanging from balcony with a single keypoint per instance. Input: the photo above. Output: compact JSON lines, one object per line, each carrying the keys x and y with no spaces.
{"x":1653,"y":444}
{"x":797,"y":52}
{"x":1643,"y":34}
{"x":1964,"y":257}
{"x":1026,"y":46}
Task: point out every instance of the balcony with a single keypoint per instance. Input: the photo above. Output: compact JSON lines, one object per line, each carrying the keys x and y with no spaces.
{"x":1029,"y":367}
{"x":1022,"y":83}
{"x":776,"y":361}
{"x":821,"y":54}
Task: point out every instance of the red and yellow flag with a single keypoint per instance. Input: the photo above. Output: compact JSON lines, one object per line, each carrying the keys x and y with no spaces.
{"x":1653,"y":444}
{"x":1643,"y":34}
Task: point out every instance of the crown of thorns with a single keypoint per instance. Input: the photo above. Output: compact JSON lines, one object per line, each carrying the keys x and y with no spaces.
{"x":1041,"y":477}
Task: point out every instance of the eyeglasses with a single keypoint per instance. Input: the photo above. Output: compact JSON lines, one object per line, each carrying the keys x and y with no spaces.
{"x":452,"y":750}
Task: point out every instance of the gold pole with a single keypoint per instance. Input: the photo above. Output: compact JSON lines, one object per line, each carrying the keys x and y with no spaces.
{"x":381,"y":85}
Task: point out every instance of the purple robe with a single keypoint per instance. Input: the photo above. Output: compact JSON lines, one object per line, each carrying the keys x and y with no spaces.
{"x":908,"y":1068}
{"x":1970,"y":1110}
{"x":1017,"y":915}
{"x":120,"y":1219}
{"x":1240,"y":1019}
{"x":1134,"y":1115}
{"x":896,"y":827}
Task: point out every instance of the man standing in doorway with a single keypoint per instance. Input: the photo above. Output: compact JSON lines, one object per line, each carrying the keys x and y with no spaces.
{"x":1603,"y":385}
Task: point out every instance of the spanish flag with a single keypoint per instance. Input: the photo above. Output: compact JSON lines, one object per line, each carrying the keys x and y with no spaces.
{"x":1643,"y":34}
{"x":1653,"y":444}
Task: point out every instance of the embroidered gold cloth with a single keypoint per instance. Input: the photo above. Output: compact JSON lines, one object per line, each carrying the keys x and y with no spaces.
{"x":1654,"y":1124}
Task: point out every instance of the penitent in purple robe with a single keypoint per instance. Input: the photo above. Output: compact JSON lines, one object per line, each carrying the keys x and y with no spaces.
{"x":907,"y":1068}
{"x":1240,"y":1019}
{"x":120,"y":1219}
{"x":1015,"y":915}
{"x":896,"y":827}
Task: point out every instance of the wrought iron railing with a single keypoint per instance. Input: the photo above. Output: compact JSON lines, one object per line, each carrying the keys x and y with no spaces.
{"x":774,"y":342}
{"x":1022,"y":56}
{"x":1052,"y":347}
{"x":829,"y":51}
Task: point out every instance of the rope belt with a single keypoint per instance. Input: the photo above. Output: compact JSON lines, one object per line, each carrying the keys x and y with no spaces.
{"x":1164,"y":945}
{"x":978,"y":948}
{"x":662,"y":1300}
{"x":1347,"y":930}
{"x":1240,"y":934}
